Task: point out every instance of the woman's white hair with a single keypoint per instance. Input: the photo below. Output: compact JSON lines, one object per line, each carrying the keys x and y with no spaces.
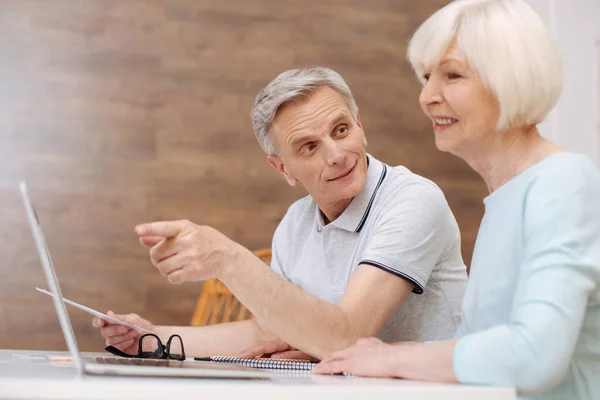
{"x":290,"y":86}
{"x":507,"y":44}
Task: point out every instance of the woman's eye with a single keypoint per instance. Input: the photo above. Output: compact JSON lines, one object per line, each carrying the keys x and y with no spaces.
{"x":426,"y":77}
{"x":453,"y":76}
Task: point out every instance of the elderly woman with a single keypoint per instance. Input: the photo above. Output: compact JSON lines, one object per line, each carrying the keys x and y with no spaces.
{"x":531,"y":313}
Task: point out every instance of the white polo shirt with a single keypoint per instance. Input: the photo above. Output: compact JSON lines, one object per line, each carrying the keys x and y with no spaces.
{"x":401,"y":223}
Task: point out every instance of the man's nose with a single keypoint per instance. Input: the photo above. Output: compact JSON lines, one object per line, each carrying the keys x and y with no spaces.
{"x":335,"y":152}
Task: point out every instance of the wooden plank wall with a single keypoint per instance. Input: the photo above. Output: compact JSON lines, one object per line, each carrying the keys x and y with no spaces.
{"x":121,"y":112}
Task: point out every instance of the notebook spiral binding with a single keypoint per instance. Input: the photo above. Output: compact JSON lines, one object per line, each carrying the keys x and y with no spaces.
{"x":267,"y":363}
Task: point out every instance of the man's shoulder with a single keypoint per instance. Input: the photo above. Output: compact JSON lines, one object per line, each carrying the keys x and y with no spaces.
{"x":297,"y":218}
{"x":401,"y":183}
{"x":300,"y":210}
{"x":406,"y":196}
{"x":302,"y":207}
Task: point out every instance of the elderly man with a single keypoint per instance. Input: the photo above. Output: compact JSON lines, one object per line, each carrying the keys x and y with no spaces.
{"x":372,"y":250}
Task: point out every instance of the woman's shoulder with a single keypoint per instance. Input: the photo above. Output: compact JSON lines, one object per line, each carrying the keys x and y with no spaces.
{"x":564,"y":189}
{"x":566,"y":163}
{"x":564,"y":172}
{"x":561,"y":217}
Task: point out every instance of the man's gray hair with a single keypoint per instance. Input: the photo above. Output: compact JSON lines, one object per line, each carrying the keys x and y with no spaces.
{"x":290,"y":86}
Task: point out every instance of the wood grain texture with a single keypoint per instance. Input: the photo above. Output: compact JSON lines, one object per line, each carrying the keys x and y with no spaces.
{"x":121,"y":112}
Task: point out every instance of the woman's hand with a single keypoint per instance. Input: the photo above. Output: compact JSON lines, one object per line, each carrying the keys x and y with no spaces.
{"x":367,"y":357}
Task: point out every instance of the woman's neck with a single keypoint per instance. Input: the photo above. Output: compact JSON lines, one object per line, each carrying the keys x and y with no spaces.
{"x":508,"y":154}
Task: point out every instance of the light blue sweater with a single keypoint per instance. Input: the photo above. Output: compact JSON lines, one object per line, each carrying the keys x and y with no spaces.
{"x":531,"y":313}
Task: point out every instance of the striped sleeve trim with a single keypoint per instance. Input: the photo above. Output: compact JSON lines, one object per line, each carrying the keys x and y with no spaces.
{"x":418,"y":289}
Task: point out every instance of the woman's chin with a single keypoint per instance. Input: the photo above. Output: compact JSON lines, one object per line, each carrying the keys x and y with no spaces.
{"x":446,"y":145}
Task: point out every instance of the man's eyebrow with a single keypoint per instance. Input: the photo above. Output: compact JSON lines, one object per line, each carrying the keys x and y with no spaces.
{"x":334,"y":122}
{"x":339,"y":118}
{"x":301,"y":139}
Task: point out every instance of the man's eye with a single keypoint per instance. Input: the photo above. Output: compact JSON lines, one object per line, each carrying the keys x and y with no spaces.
{"x":309,"y":148}
{"x":341,"y":130}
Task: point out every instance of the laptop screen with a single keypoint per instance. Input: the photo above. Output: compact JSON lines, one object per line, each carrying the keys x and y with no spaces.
{"x":49,"y":272}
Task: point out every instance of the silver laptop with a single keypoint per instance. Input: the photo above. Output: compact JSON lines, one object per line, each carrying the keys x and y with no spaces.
{"x":110,"y":365}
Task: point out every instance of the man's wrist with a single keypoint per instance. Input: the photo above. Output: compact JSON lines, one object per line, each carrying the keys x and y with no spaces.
{"x":238,"y":256}
{"x":163,"y":333}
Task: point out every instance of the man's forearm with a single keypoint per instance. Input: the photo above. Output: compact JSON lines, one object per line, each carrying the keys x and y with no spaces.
{"x":306,"y":322}
{"x":228,"y":339}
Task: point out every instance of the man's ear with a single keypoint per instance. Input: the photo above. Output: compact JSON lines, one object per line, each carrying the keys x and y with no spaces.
{"x":277,"y":164}
{"x":359,"y":123}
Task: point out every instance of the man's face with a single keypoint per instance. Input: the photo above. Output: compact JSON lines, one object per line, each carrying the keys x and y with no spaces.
{"x":321,"y":146}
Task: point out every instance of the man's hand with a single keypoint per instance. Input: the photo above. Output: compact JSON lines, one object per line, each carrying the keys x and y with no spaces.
{"x":183,"y":251}
{"x":276,"y":349}
{"x":119,"y":336}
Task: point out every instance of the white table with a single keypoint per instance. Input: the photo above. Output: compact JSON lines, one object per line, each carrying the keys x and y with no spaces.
{"x":26,"y":375}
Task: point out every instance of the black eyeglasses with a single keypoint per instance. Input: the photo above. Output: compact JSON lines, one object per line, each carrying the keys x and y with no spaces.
{"x":150,"y":346}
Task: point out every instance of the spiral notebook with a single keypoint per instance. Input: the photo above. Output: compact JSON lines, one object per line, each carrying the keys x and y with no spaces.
{"x":263,"y":363}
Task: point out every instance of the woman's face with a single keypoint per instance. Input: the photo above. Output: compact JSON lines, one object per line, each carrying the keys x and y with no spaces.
{"x":463,"y":111}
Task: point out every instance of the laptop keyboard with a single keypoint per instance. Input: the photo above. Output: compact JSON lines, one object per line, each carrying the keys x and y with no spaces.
{"x":133,"y":361}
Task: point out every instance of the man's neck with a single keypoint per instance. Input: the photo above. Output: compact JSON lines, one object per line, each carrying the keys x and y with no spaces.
{"x":332,"y":211}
